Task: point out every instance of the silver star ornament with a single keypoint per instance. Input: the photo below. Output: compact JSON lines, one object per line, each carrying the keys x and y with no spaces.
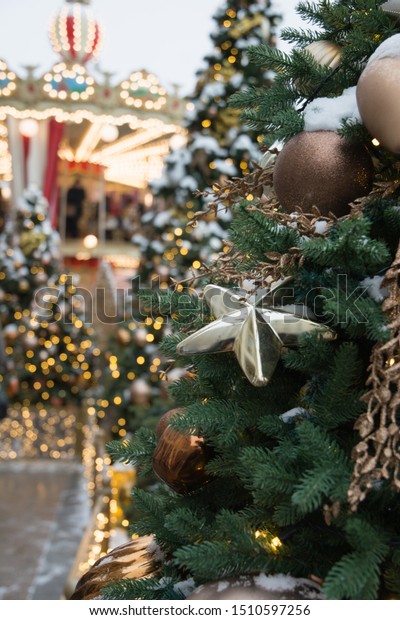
{"x":256,"y":334}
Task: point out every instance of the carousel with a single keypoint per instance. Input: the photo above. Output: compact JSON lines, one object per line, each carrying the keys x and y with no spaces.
{"x":82,"y":139}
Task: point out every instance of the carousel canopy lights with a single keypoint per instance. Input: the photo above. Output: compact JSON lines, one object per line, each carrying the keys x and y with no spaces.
{"x":7,"y":80}
{"x":143,"y":90}
{"x":75,"y":34}
{"x":68,"y":82}
{"x":125,"y":128}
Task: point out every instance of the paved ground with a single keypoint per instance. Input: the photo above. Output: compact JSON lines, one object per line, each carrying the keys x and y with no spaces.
{"x":44,"y":510}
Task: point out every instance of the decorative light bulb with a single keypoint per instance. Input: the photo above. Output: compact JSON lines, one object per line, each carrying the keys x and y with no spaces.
{"x":90,"y":242}
{"x":29,"y":128}
{"x":109,"y":133}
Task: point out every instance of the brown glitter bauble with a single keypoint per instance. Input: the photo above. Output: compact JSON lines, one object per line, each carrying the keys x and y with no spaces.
{"x":258,"y":587}
{"x":180,"y":460}
{"x":378,"y":92}
{"x":322,"y":169}
{"x":133,"y":560}
{"x":165,"y":419}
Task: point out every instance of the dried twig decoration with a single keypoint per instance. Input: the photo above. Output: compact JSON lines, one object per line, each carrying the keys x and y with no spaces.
{"x":377,"y":455}
{"x":222,"y":197}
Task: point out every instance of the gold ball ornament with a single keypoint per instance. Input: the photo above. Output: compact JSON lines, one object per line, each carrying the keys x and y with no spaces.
{"x":180,"y":460}
{"x":268,"y":161}
{"x":165,"y":419}
{"x":30,"y":241}
{"x":133,"y":560}
{"x":323,"y":169}
{"x":243,"y":26}
{"x":378,"y":92}
{"x":228,"y":117}
{"x":325,"y":53}
{"x":258,"y":587}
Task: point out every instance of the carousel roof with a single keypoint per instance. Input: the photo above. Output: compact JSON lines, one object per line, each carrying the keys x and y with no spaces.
{"x":125,"y":127}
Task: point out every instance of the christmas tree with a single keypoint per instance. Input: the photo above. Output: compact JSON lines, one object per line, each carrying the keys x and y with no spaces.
{"x":219,"y":145}
{"x":30,"y":253}
{"x":135,"y":378}
{"x":279,"y":472}
{"x":49,"y":346}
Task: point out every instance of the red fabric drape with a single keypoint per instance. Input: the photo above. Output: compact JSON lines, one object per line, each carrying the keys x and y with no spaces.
{"x":26,"y":142}
{"x":50,"y":189}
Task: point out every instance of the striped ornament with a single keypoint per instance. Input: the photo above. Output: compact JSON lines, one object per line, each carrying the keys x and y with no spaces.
{"x":75,"y":34}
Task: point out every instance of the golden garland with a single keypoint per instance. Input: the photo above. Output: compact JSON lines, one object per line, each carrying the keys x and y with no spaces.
{"x":377,"y":455}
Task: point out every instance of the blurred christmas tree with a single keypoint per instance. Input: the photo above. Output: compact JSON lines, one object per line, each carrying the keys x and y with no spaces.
{"x":219,"y":144}
{"x":134,"y":388}
{"x":30,"y":254}
{"x":282,"y":464}
{"x":50,"y":352}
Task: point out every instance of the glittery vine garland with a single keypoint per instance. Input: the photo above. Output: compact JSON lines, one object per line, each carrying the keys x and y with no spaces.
{"x":377,"y":455}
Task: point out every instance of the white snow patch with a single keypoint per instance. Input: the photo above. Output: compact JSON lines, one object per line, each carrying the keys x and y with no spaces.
{"x":236,"y":80}
{"x":157,"y":246}
{"x":244,"y":143}
{"x":270,"y":75}
{"x":241,"y":44}
{"x":139,"y":240}
{"x":373,"y":286}
{"x":297,"y":412}
{"x":155,"y":550}
{"x":213,"y":89}
{"x":215,"y":244}
{"x":328,"y":113}
{"x":320,"y":227}
{"x":388,"y":49}
{"x":223,"y":585}
{"x":224,"y":168}
{"x":161,"y":219}
{"x":282,"y":583}
{"x":185,"y":587}
{"x":189,"y":182}
{"x":208,"y":143}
